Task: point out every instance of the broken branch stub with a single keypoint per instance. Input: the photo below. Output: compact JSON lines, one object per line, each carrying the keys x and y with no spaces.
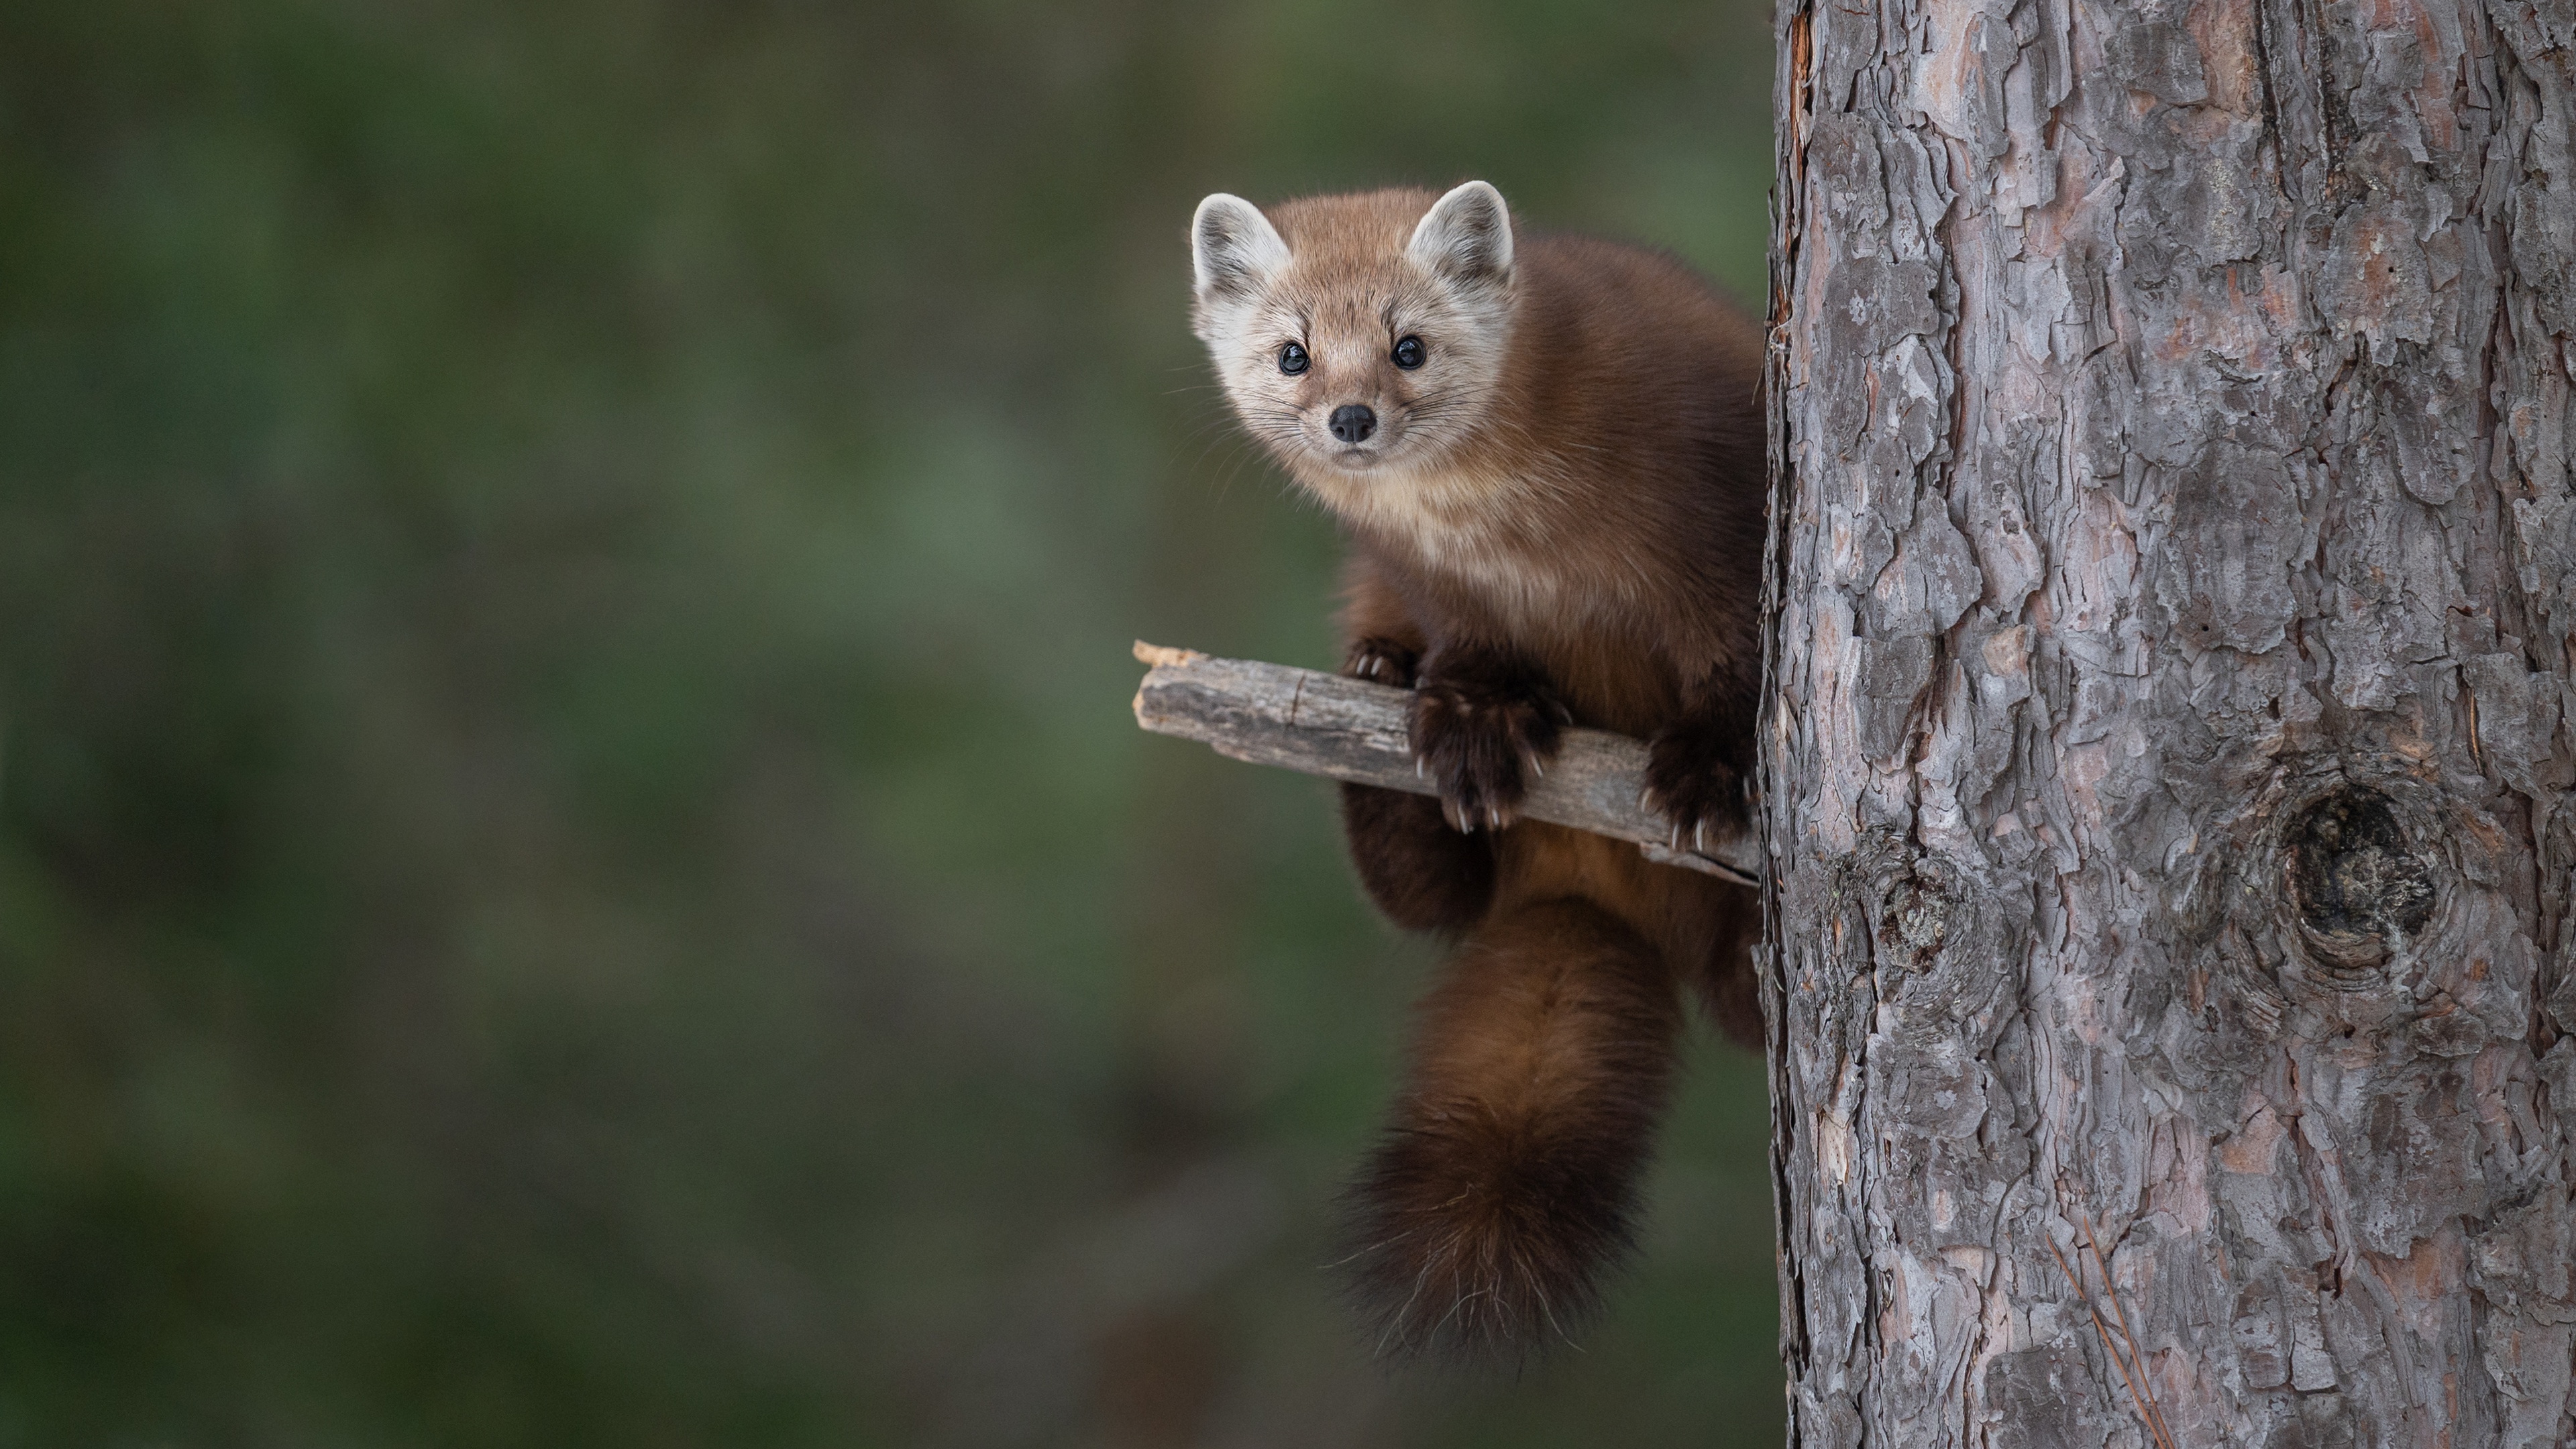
{"x":1349,"y":729}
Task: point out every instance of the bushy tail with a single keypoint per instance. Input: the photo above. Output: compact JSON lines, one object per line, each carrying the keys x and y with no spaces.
{"x":1508,"y":1177}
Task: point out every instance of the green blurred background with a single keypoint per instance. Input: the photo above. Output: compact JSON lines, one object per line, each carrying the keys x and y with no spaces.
{"x":574,"y":866}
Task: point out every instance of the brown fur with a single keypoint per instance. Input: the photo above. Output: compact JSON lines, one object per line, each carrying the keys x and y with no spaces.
{"x":1562,"y":524}
{"x":1508,"y":1175}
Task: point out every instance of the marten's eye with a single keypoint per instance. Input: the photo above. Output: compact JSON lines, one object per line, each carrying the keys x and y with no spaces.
{"x":1408,"y":353}
{"x":1293,"y":359}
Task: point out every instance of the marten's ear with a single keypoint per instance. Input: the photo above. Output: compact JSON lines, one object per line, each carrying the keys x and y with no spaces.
{"x":1466,"y":236}
{"x":1233,"y":247}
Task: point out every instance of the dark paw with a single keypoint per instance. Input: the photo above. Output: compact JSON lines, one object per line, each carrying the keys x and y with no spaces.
{"x":1480,"y":745}
{"x":1694,"y":781}
{"x":1381,"y":660}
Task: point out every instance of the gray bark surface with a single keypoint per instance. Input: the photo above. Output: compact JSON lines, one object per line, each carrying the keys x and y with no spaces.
{"x":2167,"y":743}
{"x":1350,"y":729}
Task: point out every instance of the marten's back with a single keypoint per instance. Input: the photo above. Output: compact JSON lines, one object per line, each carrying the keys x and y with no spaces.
{"x":1631,"y":347}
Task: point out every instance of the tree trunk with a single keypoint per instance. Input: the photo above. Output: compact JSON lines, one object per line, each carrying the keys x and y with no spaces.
{"x":2168,"y":755}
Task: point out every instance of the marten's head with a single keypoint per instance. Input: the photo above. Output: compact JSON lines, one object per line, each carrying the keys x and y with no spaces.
{"x":1361,"y":338}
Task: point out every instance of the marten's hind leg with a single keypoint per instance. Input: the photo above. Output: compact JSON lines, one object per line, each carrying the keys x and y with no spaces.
{"x":1508,"y":1177}
{"x":1422,"y":874}
{"x":1728,"y":985}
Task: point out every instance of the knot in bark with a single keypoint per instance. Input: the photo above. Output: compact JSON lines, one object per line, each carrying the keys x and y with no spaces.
{"x":2358,"y":887}
{"x":1915,"y":921}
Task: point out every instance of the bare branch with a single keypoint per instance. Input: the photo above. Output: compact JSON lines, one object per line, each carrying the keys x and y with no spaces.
{"x":1349,"y":729}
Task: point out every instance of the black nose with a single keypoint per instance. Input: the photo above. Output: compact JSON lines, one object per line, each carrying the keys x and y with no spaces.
{"x":1353,"y":423}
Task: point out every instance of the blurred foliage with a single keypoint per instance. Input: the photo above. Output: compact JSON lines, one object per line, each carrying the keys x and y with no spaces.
{"x":574,"y":869}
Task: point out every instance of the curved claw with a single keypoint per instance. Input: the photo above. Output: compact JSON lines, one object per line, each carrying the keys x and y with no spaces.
{"x":1478,"y":744}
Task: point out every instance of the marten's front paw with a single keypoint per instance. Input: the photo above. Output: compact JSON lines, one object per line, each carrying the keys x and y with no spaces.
{"x":1693,"y":781}
{"x":1382,"y":660}
{"x":1475,"y":741}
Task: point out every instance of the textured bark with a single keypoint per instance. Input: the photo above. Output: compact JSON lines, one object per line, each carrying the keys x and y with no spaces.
{"x":1350,"y":729}
{"x":2168,"y":743}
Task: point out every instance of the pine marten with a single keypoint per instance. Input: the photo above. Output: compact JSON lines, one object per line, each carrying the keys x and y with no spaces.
{"x":1548,"y":455}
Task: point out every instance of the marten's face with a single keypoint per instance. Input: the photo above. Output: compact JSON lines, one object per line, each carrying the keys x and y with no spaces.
{"x":1360,"y":339}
